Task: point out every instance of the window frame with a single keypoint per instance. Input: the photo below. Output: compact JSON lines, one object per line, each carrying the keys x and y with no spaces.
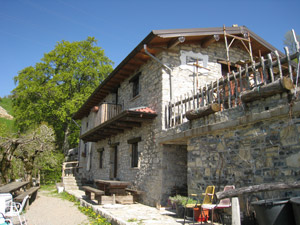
{"x":134,"y":155}
{"x":134,"y":152}
{"x":101,"y":153}
{"x":135,"y":80}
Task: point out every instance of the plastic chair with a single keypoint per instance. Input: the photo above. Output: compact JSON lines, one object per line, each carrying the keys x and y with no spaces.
{"x":4,"y":221}
{"x":207,"y":199}
{"x":15,"y":210}
{"x":5,"y":201}
{"x":224,"y":203}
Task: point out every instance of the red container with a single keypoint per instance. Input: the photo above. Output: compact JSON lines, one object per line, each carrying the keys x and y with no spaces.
{"x":201,"y":215}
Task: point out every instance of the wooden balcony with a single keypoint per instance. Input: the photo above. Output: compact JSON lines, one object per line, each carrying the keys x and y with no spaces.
{"x":106,"y":112}
{"x":112,"y":120}
{"x":251,"y":82}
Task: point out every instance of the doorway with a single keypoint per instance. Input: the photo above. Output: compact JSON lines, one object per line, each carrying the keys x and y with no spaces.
{"x":114,"y":162}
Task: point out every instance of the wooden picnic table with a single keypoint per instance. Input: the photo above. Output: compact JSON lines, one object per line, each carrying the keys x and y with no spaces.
{"x":13,"y":187}
{"x":111,"y":187}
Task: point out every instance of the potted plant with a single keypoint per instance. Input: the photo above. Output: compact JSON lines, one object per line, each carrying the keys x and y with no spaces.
{"x":180,"y":202}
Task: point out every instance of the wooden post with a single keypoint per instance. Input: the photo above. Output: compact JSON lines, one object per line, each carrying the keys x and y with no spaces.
{"x":278,"y":62}
{"x":271,"y":67}
{"x":247,"y":76}
{"x":202,"y":97}
{"x":224,"y":93}
{"x":262,"y":61}
{"x":289,"y":62}
{"x":235,"y":209}
{"x":218,"y":92}
{"x":235,"y":88}
{"x":181,"y":110}
{"x":229,"y":91}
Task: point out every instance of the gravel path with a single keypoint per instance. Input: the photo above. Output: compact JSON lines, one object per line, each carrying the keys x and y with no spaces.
{"x":50,"y":210}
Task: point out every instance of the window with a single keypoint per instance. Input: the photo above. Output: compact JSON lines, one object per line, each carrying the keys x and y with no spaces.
{"x":101,"y":151}
{"x":135,"y":88}
{"x":135,"y":80}
{"x":134,"y":148}
{"x":85,"y":150}
{"x":134,"y":155}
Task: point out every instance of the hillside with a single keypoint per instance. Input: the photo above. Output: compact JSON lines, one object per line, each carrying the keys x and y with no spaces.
{"x":6,"y":116}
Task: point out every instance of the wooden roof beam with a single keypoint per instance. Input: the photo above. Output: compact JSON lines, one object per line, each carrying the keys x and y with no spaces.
{"x":176,"y":41}
{"x":208,"y":41}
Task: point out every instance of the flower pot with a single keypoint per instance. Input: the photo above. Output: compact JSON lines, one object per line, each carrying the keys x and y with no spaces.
{"x":179,"y":211}
{"x":201,"y":215}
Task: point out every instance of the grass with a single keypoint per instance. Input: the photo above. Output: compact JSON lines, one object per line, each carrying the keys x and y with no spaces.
{"x":6,"y":103}
{"x":8,"y":126}
{"x":94,"y":219}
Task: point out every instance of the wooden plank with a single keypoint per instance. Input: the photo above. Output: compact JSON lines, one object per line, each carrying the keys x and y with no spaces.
{"x":31,"y":192}
{"x":126,"y":199}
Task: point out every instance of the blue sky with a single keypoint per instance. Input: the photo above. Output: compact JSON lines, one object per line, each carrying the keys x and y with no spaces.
{"x":30,"y":28}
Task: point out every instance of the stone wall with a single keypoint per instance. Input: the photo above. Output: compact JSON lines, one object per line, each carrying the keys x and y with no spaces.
{"x":253,"y":151}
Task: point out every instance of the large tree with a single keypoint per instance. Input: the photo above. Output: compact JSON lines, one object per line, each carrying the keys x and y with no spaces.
{"x":55,"y":88}
{"x":28,"y":147}
{"x":290,"y":42}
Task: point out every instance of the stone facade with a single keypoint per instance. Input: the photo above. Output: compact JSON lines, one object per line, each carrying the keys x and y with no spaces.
{"x":220,"y":152}
{"x":255,"y":151}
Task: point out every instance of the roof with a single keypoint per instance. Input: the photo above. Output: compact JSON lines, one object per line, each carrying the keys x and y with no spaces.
{"x":157,"y":41}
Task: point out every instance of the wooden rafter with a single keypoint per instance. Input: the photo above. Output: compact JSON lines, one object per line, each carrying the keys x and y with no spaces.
{"x":208,"y":41}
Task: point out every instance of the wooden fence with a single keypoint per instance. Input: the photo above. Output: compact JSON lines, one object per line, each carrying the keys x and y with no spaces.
{"x":234,"y":89}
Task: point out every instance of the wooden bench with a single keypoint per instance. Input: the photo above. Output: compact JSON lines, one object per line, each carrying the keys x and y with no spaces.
{"x":32,"y":192}
{"x":135,"y":193}
{"x":97,"y":193}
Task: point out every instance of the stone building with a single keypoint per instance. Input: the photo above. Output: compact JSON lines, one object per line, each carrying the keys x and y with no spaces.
{"x":131,"y":131}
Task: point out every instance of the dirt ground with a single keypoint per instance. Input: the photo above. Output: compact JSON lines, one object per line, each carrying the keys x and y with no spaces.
{"x":51,"y":210}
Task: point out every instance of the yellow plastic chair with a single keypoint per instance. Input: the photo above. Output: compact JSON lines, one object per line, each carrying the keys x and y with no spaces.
{"x":206,"y":198}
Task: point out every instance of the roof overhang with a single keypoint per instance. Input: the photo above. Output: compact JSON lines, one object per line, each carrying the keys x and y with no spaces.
{"x":128,"y":119}
{"x":161,"y":40}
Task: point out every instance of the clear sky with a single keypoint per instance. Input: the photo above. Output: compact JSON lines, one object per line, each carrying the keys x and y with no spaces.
{"x":30,"y":28}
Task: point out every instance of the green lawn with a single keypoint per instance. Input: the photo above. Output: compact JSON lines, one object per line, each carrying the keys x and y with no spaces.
{"x":7,"y":126}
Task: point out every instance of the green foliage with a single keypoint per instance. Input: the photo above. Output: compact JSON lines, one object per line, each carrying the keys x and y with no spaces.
{"x":95,"y":219}
{"x":182,"y":200}
{"x":55,"y":88}
{"x":50,"y":167}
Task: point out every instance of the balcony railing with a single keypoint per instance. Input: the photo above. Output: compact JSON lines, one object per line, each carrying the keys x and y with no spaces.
{"x":236,"y":88}
{"x":106,"y":112}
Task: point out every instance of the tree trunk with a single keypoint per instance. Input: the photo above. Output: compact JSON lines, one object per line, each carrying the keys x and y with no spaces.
{"x":66,"y":145}
{"x":257,"y":188}
{"x":279,"y":86}
{"x":202,"y":111}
